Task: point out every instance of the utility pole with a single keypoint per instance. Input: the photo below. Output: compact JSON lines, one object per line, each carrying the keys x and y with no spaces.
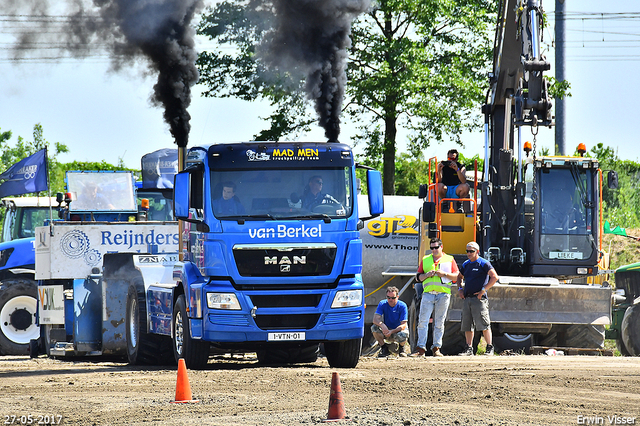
{"x":559,"y":103}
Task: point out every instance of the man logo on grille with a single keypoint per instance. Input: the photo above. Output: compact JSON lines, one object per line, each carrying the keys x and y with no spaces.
{"x":285,"y":268}
{"x":284,"y":260}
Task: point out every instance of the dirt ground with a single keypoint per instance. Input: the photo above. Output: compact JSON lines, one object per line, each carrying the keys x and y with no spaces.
{"x":480,"y":390}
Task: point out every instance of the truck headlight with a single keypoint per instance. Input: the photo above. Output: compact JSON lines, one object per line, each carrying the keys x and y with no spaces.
{"x":347,"y":299}
{"x":223,"y":301}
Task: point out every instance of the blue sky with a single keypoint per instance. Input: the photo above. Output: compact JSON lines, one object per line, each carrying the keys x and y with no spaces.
{"x":106,"y":116}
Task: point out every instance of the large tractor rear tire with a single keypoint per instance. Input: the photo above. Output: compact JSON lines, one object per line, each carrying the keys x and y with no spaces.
{"x":631,"y":330}
{"x":18,"y":302}
{"x":621,"y":347}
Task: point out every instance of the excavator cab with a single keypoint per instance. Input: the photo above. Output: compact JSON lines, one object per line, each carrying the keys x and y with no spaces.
{"x":567,"y":217}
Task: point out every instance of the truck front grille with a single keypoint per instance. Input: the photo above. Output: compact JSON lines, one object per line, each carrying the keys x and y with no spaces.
{"x":285,"y":260}
{"x":284,"y":322}
{"x":286,"y":301}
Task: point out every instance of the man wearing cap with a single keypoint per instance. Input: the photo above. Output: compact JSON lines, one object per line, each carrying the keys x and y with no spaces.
{"x":436,"y":273}
{"x":479,"y":276}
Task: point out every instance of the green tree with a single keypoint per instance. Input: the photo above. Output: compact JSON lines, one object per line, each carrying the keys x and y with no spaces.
{"x":419,"y":64}
{"x":622,"y":205}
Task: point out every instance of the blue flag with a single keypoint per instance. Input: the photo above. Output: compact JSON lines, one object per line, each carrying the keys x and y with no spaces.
{"x":26,"y":176}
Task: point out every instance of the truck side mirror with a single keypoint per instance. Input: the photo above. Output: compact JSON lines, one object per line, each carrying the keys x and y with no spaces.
{"x":429,"y":211}
{"x":181,"y":195}
{"x":612,"y":179}
{"x":374,"y":188}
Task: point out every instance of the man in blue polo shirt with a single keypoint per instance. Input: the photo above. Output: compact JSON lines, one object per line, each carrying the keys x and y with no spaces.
{"x":390,"y":323}
{"x":479,"y":276}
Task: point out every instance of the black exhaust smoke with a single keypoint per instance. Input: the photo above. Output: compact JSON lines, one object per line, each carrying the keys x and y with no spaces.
{"x":157,"y":30}
{"x":312,"y":37}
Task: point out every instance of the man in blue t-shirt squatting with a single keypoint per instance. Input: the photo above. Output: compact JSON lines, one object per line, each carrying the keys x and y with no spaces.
{"x":394,"y":312}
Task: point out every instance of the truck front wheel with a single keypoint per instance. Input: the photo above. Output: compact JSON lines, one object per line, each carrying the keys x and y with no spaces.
{"x":133,"y":327}
{"x":18,"y":302}
{"x":194,"y":351}
{"x":343,"y":354}
{"x":296,"y":355}
{"x":631,"y":330}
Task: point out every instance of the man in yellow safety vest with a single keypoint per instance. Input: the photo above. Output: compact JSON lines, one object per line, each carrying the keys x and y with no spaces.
{"x":437,"y":272}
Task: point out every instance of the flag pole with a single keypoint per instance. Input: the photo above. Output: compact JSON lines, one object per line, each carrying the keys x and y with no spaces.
{"x":46,"y":167}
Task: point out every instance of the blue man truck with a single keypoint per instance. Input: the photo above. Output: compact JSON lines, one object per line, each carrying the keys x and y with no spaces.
{"x":280,"y":272}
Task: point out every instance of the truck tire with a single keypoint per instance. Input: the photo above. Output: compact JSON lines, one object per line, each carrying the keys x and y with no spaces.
{"x":34,"y":348}
{"x":45,"y":339}
{"x":143,"y":348}
{"x":301,"y":355}
{"x":18,"y":302}
{"x":453,"y":340}
{"x":194,"y":351}
{"x":631,"y":330}
{"x":585,"y":336}
{"x":517,"y":343}
{"x":343,"y":354}
{"x":413,"y":325}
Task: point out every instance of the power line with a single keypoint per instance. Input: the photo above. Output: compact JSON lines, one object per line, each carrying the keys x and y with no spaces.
{"x":609,"y":16}
{"x":53,"y":25}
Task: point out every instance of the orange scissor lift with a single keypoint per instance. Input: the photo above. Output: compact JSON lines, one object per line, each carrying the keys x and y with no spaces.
{"x":455,"y":219}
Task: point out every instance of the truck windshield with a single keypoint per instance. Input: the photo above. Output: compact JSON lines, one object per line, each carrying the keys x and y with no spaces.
{"x":101,"y":191}
{"x":291,"y":193}
{"x":566,"y":197}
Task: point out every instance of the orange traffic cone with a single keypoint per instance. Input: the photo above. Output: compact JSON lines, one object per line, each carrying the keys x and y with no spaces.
{"x":336,"y":404}
{"x":183,"y":389}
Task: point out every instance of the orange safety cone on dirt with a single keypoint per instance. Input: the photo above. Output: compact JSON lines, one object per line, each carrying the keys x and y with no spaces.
{"x":336,"y":403}
{"x":183,"y":389}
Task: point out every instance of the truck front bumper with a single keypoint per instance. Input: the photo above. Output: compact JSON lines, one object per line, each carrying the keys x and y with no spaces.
{"x":238,"y":327}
